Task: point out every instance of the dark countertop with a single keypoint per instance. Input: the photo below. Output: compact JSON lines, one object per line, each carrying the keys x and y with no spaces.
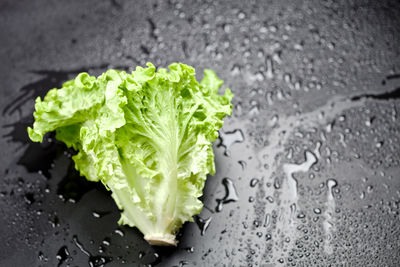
{"x":312,"y":148}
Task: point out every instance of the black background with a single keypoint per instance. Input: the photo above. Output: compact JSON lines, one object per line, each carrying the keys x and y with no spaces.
{"x":316,"y":82}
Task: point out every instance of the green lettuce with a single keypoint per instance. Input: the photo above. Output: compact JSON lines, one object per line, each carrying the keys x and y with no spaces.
{"x":147,"y":136}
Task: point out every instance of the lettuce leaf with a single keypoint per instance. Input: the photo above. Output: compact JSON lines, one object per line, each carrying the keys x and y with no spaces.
{"x":147,"y":136}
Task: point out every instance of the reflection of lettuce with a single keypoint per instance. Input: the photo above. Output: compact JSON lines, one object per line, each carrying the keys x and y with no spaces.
{"x":146,"y":136}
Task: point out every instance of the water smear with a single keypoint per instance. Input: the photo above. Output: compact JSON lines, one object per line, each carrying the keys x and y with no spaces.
{"x":329,"y":224}
{"x":290,"y":169}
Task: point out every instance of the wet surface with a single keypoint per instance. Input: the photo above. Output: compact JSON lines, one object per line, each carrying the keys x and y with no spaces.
{"x":307,"y":166}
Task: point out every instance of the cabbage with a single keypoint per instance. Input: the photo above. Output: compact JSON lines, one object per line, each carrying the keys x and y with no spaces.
{"x":147,"y":136}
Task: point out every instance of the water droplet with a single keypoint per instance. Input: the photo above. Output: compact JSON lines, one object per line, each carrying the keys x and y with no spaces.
{"x":227,"y":139}
{"x":289,"y":154}
{"x":236,"y":69}
{"x":280,"y":95}
{"x":370,"y":188}
{"x":106,"y":241}
{"x":202,"y":223}
{"x":268,"y":97}
{"x":243,"y":164}
{"x":219,"y":205}
{"x":119,"y":232}
{"x":269,"y":67}
{"x":293,"y":209}
{"x":80,"y":246}
{"x":241,"y":15}
{"x":274,"y":121}
{"x":301,"y":215}
{"x":98,"y":261}
{"x":190,"y":249}
{"x":368,"y":123}
{"x":331,"y":183}
{"x":277,"y":184}
{"x":317,"y":211}
{"x":230,"y":194}
{"x":254,"y":182}
{"x":267,"y":220}
{"x":29,"y":198}
{"x":99,"y":214}
{"x":63,"y":255}
{"x":42,"y":257}
{"x":54,"y":222}
{"x":94,"y":261}
{"x":141,"y":254}
{"x":270,"y":199}
{"x":342,"y":139}
{"x":287,"y":78}
{"x":254,"y":111}
{"x":298,"y":46}
{"x":329,"y":127}
{"x":259,"y":76}
{"x":273,"y":28}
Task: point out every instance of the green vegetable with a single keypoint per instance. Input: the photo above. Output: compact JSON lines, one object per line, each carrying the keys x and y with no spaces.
{"x":146,"y":136}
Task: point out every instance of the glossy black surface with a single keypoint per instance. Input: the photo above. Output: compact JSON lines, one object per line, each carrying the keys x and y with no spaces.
{"x":307,"y":167}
